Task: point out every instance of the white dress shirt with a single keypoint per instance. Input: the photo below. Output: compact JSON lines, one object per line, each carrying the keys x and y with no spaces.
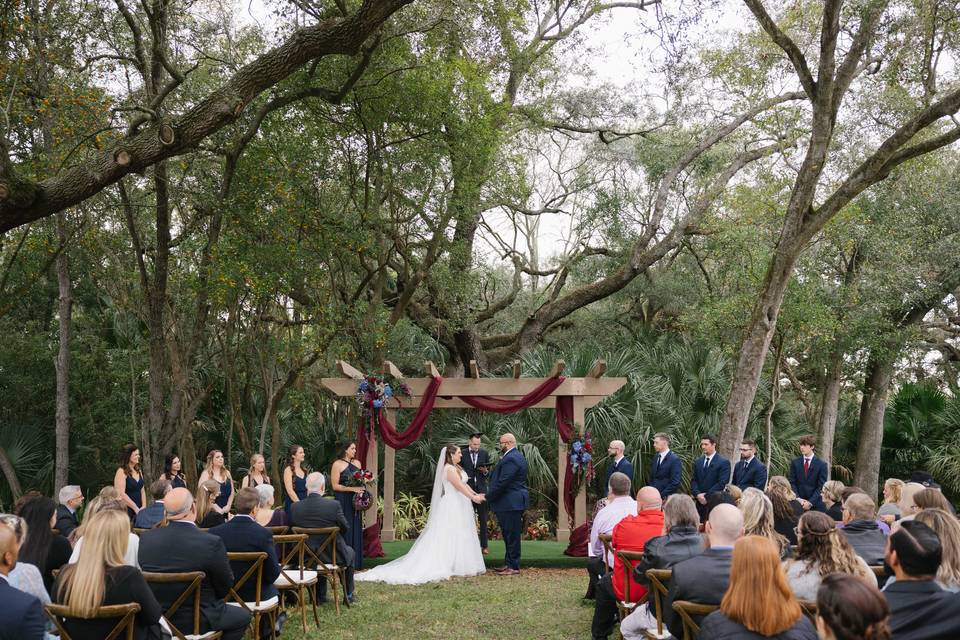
{"x":605,"y":520}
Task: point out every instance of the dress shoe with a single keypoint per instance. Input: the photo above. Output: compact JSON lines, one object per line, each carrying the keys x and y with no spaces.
{"x":486,"y":551}
{"x":500,"y":569}
{"x":509,"y":572}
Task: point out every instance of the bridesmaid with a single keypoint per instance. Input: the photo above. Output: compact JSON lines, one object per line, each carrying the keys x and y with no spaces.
{"x":128,"y":481}
{"x":172,"y":471}
{"x":294,"y":478}
{"x":214,"y":470}
{"x":345,"y":466}
{"x":256,"y":474}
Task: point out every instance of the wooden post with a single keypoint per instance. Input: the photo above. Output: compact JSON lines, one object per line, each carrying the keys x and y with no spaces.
{"x":563,"y":524}
{"x":373,"y":466}
{"x":388,"y":533}
{"x":580,"y":504}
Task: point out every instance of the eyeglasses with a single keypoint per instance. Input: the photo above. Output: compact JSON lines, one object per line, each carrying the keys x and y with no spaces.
{"x":746,"y":450}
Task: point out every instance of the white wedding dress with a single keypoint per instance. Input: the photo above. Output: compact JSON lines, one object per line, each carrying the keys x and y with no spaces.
{"x":448,"y":546}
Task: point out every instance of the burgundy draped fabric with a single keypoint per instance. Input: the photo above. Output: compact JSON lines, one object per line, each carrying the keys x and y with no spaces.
{"x":371,"y":542}
{"x":564,"y":412}
{"x":498,"y":405}
{"x":403,"y":440}
{"x":579,"y":540}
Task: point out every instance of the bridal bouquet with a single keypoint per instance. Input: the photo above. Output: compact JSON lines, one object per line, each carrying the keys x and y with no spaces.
{"x":361,"y":478}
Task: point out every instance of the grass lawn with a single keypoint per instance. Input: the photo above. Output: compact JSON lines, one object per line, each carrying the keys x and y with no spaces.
{"x":533,"y":553}
{"x":539,"y":603}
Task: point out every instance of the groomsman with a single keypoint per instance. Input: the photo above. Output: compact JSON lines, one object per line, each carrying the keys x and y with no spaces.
{"x":711,"y":473}
{"x":618,"y":463}
{"x":749,"y":472}
{"x":665,"y":469}
{"x":476,"y":462}
{"x":807,"y":475}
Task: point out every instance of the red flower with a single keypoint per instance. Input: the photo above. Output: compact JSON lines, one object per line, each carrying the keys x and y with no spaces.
{"x":356,"y":475}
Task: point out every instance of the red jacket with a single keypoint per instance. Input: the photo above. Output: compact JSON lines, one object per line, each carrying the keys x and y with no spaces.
{"x":631,"y":534}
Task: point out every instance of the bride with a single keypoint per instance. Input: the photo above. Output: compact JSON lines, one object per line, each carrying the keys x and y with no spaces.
{"x":448,"y":546}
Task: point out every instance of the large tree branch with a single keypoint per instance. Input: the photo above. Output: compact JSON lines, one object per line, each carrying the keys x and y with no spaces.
{"x":340,"y":36}
{"x":788,"y":46}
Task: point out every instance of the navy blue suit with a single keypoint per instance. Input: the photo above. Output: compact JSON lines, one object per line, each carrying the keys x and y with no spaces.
{"x":149,"y":517}
{"x":508,"y":497}
{"x":21,"y":616}
{"x":666,"y":477}
{"x":753,"y":474}
{"x":623,"y":466}
{"x":807,"y":486}
{"x":712,"y":479}
{"x":244,"y":534}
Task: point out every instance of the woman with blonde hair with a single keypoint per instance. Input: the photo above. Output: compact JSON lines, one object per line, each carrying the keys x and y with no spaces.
{"x":758,"y":603}
{"x":947,"y":528}
{"x":758,"y":520}
{"x":822,"y":549}
{"x":216,"y":470}
{"x":832,"y":495}
{"x":206,"y":501}
{"x":256,"y":474}
{"x":908,"y":508}
{"x":98,"y":505}
{"x":100,"y":578}
{"x":786,"y":508}
{"x":889,"y":511}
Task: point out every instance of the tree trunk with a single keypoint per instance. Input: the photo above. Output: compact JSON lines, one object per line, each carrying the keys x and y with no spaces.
{"x":10,"y":474}
{"x":876,"y":386}
{"x":829,"y":406}
{"x":65,"y":311}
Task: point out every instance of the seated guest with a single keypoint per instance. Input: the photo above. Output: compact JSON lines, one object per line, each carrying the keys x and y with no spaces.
{"x":244,"y":534}
{"x":21,"y":616}
{"x":100,"y":578}
{"x":908,"y":508}
{"x":267,"y":516}
{"x":43,"y":548}
{"x":919,"y":608}
{"x":861,"y":529}
{"x":734,"y":492}
{"x":932,"y":499}
{"x":152,"y":516}
{"x":71,"y":497}
{"x":758,"y":519}
{"x":832,"y":496}
{"x":207,"y":514}
{"x":25,"y":576}
{"x":704,"y":578}
{"x":889,"y":511}
{"x":630,"y":534}
{"x":181,"y":547}
{"x":619,"y":506}
{"x":786,"y":508}
{"x":316,"y":512}
{"x":821,"y":550}
{"x":133,"y":540}
{"x":758,"y":603}
{"x":715,"y":498}
{"x":849,"y":609}
{"x":682,"y":541}
{"x":947,"y":528}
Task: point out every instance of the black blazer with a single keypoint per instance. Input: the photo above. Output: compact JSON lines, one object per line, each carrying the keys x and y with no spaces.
{"x":921,"y":610}
{"x":211,"y":520}
{"x":21,"y":616}
{"x":710,"y":480}
{"x":703,"y":579}
{"x":57,"y":555}
{"x":315,"y":512}
{"x":123,"y":585}
{"x":717,"y":626}
{"x":180,"y":547}
{"x":666,"y":479}
{"x":753,"y":474}
{"x":808,"y":485}
{"x":244,"y":534}
{"x":66,"y":521}
{"x":476,"y":479}
{"x":624,"y":466}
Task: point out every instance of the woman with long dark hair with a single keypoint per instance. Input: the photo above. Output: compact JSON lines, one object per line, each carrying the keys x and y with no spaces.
{"x":786,"y":508}
{"x":43,"y":548}
{"x":173,"y":471}
{"x":128,"y":481}
{"x":340,"y":472}
{"x":850,"y":609}
{"x":294,"y":477}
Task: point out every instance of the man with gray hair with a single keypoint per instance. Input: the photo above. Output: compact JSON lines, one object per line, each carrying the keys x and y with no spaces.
{"x":315,"y":512}
{"x":619,"y":506}
{"x":71,"y":497}
{"x":861,"y":528}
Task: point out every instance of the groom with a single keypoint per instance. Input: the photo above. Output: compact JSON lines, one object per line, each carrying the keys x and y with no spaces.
{"x":508,"y":497}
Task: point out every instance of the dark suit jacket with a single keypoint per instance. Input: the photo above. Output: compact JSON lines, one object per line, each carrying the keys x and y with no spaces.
{"x":808,"y":486}
{"x":180,"y":547}
{"x":244,"y":534}
{"x":717,"y":626}
{"x":476,"y":480}
{"x":710,"y":480}
{"x":150,"y":517}
{"x":921,"y":610}
{"x":662,"y":552}
{"x":315,"y":512}
{"x":703,"y":578}
{"x":66,"y":521}
{"x":123,"y":585}
{"x":866,"y":539}
{"x":750,"y":475}
{"x":666,"y":479}
{"x":624,"y":466}
{"x":508,"y":484}
{"x":21,"y":616}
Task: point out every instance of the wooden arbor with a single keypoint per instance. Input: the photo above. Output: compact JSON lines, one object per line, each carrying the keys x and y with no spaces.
{"x":585,"y":392}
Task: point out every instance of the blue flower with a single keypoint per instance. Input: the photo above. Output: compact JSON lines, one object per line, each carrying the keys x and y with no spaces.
{"x":387,"y":391}
{"x":377,"y":404}
{"x":587,"y":457}
{"x":577,"y":445}
{"x":364,"y":386}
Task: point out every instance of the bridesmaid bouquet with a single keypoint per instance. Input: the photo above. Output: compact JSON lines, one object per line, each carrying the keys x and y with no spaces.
{"x":361,"y":478}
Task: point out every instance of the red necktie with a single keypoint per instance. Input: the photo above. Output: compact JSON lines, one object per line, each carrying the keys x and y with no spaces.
{"x":806,"y":466}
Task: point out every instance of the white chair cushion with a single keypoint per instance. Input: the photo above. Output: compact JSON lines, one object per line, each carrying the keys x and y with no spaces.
{"x":265,"y":605}
{"x":295,"y":577}
{"x":331,"y":567}
{"x":165,"y":630}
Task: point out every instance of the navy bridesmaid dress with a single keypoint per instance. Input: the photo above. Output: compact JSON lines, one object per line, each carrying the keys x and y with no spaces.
{"x":299,"y":488}
{"x":354,"y":535}
{"x":226,"y":488}
{"x":133,"y":489}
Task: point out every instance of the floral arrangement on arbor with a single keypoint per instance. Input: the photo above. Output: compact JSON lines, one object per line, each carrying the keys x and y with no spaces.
{"x":581,"y":457}
{"x":361,"y":478}
{"x":374,"y":391}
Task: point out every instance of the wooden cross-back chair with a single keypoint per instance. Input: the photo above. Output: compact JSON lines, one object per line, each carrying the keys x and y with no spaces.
{"x":658,"y":579}
{"x":257,"y":607}
{"x":294,"y":576}
{"x":686,"y":610}
{"x":606,"y":539}
{"x":125,"y":614}
{"x":193,"y":581}
{"x":278,"y":530}
{"x":627,"y":606}
{"x":334,"y":573}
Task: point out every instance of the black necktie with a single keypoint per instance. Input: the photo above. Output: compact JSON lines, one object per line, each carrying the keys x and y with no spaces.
{"x":706,"y":463}
{"x":473,"y":456}
{"x":659,"y":460}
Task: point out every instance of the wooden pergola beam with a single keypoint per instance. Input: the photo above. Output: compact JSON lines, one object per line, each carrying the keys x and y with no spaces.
{"x":516,"y":369}
{"x":431,"y":369}
{"x":390,"y":369}
{"x":474,"y":370}
{"x":557,"y":369}
{"x":598,"y":369}
{"x":348,"y":371}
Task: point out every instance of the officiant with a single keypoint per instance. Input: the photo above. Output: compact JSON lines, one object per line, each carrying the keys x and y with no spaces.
{"x":476,"y":462}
